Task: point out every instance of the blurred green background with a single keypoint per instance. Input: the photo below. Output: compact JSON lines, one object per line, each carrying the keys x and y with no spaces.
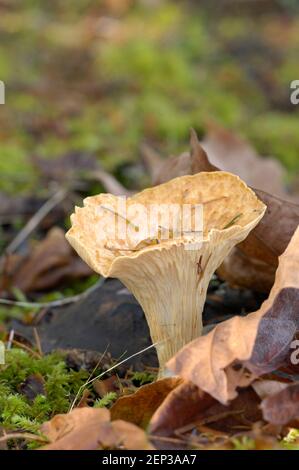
{"x":103,"y":76}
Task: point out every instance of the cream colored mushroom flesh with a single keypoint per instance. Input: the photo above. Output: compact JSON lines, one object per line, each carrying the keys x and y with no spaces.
{"x":167,"y":259}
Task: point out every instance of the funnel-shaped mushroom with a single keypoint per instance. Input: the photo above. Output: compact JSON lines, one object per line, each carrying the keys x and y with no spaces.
{"x":168,"y":272}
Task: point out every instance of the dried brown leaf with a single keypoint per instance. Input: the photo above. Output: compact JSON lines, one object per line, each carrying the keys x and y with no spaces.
{"x":91,"y":429}
{"x":139,"y":407}
{"x":231,"y":153}
{"x":266,"y":388}
{"x":49,"y":263}
{"x":102,"y":387}
{"x":130,"y":436}
{"x":240,"y":270}
{"x":282,"y":408}
{"x":187,"y":409}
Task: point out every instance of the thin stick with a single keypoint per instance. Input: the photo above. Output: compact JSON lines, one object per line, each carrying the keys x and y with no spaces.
{"x":35,"y":220}
{"x":172,"y":440}
{"x":26,"y":348}
{"x":10,"y":339}
{"x":37,"y":341}
{"x":55,"y":303}
{"x":20,"y":435}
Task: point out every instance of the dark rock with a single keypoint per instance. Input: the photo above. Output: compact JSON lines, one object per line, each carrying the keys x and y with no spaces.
{"x":110,"y":321}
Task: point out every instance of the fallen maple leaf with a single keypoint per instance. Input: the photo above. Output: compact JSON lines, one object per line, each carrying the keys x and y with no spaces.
{"x":139,"y":407}
{"x":91,"y":429}
{"x":219,"y":362}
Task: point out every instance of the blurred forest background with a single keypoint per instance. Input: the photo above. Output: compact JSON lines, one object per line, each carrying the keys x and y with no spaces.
{"x":101,"y":77}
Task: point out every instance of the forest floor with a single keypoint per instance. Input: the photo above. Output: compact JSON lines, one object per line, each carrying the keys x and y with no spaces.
{"x":96,"y":95}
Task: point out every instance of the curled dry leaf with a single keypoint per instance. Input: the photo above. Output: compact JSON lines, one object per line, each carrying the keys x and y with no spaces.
{"x":258,"y":343}
{"x":91,"y":429}
{"x":139,"y":407}
{"x":130,"y":436}
{"x":282,"y":408}
{"x":231,"y":153}
{"x":264,"y":244}
{"x":102,"y":387}
{"x":188,"y":409}
{"x":185,"y":164}
{"x":50,"y":262}
{"x":265,"y":388}
{"x":80,"y":429}
{"x":241,"y":271}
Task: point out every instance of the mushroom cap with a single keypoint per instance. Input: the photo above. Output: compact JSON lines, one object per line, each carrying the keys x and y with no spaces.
{"x":230,"y":211}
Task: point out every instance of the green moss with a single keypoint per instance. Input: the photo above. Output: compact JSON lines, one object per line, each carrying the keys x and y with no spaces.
{"x":243,"y":443}
{"x":60,"y":385}
{"x":15,"y":169}
{"x":106,"y":401}
{"x":141,"y":378}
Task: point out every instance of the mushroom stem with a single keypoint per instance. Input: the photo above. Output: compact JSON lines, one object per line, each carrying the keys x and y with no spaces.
{"x":172,"y":289}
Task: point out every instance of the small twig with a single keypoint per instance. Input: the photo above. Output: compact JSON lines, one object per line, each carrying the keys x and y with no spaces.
{"x":26,"y":348}
{"x":35,"y":220}
{"x":172,"y":440}
{"x":110,"y":183}
{"x":207,"y":420}
{"x":55,"y":303}
{"x":10,"y":339}
{"x":20,"y":435}
{"x":37,"y":341}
